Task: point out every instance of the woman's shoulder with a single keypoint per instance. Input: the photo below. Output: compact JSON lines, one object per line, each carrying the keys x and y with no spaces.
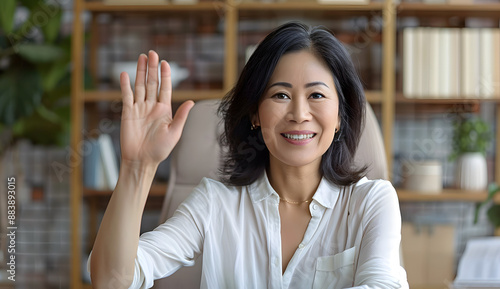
{"x":217,"y":187}
{"x":366,"y":189}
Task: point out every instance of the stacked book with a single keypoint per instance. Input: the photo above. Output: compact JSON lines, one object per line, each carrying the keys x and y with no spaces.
{"x":100,"y":165}
{"x":451,"y":62}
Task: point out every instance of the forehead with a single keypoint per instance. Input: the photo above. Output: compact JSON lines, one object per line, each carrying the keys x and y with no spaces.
{"x":301,"y":66}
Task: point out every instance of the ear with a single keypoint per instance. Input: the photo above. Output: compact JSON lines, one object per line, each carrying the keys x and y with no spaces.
{"x":255,"y":119}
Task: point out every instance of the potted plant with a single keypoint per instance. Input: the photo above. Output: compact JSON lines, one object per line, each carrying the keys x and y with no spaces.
{"x":34,"y":74}
{"x":493,"y":212}
{"x":471,"y":138}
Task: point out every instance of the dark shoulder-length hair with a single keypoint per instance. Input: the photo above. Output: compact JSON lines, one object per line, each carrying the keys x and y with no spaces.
{"x":247,"y":156}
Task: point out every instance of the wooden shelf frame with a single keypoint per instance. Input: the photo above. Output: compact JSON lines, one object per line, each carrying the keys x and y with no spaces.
{"x":103,"y":7}
{"x":445,"y":195}
{"x":483,"y":10}
{"x":233,"y":11}
{"x":308,"y":6}
{"x":177,"y":95}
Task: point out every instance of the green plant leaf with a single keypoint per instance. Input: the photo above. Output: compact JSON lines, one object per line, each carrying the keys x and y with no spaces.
{"x":50,"y":29}
{"x":476,"y":212}
{"x":7,"y":11}
{"x":30,"y":4}
{"x":494,"y":215}
{"x":40,"y":53}
{"x":20,"y":94}
{"x":53,"y":73}
{"x":493,"y":188}
{"x":38,"y":130}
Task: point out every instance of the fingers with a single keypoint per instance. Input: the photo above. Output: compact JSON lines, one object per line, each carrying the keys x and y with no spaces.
{"x":180,"y":117}
{"x":127,"y":94}
{"x":152,"y":79}
{"x":166,"y":83}
{"x":140,"y":78}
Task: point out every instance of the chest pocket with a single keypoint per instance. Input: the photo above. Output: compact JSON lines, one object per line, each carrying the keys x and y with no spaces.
{"x":335,"y":271}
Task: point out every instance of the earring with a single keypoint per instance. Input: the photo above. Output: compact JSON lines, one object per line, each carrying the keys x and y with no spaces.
{"x":253,"y":127}
{"x":338,"y":134}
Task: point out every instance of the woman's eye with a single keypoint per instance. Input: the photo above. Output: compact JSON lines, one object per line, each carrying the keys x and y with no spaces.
{"x":317,"y":96}
{"x":281,"y":96}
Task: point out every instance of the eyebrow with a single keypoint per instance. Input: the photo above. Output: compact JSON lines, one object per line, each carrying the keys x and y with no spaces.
{"x":289,"y":85}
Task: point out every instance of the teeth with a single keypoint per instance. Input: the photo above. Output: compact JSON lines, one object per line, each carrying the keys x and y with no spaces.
{"x":298,"y":136}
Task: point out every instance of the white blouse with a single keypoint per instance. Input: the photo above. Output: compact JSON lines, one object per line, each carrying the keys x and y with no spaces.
{"x":352,"y":239}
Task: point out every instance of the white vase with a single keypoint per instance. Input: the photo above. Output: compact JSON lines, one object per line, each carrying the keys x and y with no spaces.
{"x":471,"y":172}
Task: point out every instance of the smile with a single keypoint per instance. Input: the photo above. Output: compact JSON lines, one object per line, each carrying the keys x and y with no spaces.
{"x":298,"y":136}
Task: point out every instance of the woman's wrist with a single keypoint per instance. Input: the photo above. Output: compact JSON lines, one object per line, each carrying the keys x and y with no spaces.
{"x":136,"y":177}
{"x":138,"y":167}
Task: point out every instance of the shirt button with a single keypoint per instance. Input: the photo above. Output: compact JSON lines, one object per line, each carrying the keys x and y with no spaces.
{"x":301,"y":246}
{"x":315,"y":207}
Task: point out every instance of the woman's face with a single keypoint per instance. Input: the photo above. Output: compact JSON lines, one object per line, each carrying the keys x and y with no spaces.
{"x":298,"y":112}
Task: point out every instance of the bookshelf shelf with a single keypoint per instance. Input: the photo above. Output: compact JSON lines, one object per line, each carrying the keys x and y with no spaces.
{"x":373,"y":96}
{"x":400,"y":98}
{"x":444,"y":196}
{"x":103,"y":7}
{"x":308,"y":6}
{"x":177,"y":95}
{"x":448,"y":10}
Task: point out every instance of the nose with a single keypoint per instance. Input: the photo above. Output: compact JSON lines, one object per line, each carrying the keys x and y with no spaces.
{"x":299,"y":110}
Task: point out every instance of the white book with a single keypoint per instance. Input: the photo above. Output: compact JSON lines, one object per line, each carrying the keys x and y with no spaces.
{"x":470,"y":62}
{"x":434,"y":63}
{"x":486,"y":88}
{"x":425,"y":71}
{"x":445,"y":58}
{"x":496,"y":63}
{"x":109,"y":161}
{"x":409,"y":62}
{"x":455,"y":62}
{"x":418,"y":72}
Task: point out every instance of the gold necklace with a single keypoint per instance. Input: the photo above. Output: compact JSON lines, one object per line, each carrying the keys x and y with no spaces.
{"x":295,"y":203}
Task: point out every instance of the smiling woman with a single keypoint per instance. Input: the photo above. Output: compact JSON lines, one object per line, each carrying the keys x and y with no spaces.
{"x":295,"y":214}
{"x":288,"y":59}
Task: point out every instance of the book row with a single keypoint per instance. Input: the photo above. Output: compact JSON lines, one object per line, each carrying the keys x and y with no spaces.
{"x":451,"y":62}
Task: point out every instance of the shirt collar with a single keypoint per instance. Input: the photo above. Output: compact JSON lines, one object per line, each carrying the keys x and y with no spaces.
{"x":326,"y":194}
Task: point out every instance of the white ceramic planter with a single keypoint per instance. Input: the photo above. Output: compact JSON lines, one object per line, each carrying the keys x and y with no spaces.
{"x":471,"y":172}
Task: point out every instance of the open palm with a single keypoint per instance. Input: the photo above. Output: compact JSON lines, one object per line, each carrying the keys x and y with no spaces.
{"x":148,"y":130}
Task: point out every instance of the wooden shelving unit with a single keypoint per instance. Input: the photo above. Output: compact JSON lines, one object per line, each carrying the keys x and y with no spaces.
{"x":232,"y":11}
{"x":445,"y":195}
{"x":177,"y":95}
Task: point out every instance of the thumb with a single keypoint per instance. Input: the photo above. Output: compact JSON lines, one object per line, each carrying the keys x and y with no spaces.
{"x":180,"y":117}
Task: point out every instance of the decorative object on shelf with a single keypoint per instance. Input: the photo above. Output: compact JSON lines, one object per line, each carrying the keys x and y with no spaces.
{"x":471,"y":137}
{"x":178,"y":73}
{"x":423,"y":176}
{"x":493,"y":212}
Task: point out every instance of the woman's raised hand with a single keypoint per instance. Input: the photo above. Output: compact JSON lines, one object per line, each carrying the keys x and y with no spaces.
{"x":148,"y":130}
